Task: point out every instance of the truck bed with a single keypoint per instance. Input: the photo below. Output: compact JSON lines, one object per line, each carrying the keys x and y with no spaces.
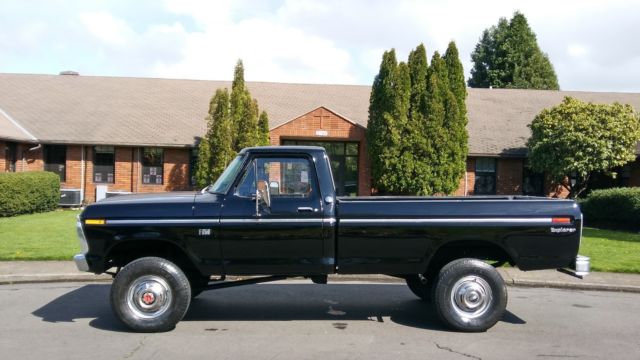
{"x":401,"y":234}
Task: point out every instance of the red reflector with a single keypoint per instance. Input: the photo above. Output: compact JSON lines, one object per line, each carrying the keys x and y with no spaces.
{"x":561,"y":220}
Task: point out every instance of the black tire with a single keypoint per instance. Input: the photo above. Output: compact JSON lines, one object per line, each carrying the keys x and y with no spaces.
{"x":150,"y":294}
{"x":481,"y":299}
{"x":420,"y":286}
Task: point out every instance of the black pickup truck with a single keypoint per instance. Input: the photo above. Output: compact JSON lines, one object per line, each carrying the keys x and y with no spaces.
{"x":274,"y":212}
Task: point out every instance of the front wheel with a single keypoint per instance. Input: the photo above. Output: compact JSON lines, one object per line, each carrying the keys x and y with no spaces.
{"x":150,"y":294}
{"x":470,"y":295}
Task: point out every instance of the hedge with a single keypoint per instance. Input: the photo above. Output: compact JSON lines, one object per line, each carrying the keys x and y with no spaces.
{"x":28,"y":192}
{"x":617,"y":208}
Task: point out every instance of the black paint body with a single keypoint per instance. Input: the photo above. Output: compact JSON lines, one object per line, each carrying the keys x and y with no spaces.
{"x":223,"y":234}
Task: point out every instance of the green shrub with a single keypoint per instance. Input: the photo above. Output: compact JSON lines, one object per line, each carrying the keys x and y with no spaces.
{"x":613,"y":208}
{"x":28,"y":192}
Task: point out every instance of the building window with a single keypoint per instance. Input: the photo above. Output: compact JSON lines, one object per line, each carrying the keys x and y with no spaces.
{"x":10,"y":156}
{"x":485,"y":176}
{"x":104,"y":164}
{"x":532,"y":183}
{"x":152,"y":165}
{"x":193,"y":165}
{"x":55,"y":160}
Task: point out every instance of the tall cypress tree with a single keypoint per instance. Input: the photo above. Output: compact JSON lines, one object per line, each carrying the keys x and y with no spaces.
{"x":216,"y":148}
{"x":263,"y":129}
{"x":418,"y":141}
{"x":234,"y":122}
{"x":508,"y":56}
{"x":203,"y":167}
{"x":417,"y":124}
{"x":456,"y":123}
{"x":399,"y":157}
{"x":437,"y":88}
{"x":244,"y":114}
{"x":381,"y":127}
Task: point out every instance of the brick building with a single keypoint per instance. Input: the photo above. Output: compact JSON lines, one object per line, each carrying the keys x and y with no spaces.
{"x":140,"y":134}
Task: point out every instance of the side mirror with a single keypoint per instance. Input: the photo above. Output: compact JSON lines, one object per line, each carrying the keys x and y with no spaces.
{"x":263,"y":195}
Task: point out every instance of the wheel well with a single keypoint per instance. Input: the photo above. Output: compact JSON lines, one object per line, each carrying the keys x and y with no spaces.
{"x":124,"y":253}
{"x":483,"y":250}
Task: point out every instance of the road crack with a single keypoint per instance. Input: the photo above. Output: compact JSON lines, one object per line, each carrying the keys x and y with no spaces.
{"x":456,"y":352}
{"x":138,"y":347}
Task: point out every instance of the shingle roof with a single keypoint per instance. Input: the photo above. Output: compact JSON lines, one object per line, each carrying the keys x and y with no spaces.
{"x":11,"y":130}
{"x":167,"y":112}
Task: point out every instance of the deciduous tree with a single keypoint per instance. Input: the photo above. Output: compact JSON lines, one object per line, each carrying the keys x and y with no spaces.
{"x":573,"y":140}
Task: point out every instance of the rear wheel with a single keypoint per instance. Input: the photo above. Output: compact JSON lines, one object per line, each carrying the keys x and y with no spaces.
{"x":150,"y":294}
{"x":470,"y":295}
{"x":420,"y":286}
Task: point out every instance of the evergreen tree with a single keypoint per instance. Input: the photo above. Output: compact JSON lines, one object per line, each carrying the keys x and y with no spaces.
{"x":417,"y":124}
{"x":381,"y":129}
{"x":508,"y":56}
{"x":399,"y":156}
{"x":418,"y":141}
{"x":244,"y":114}
{"x":216,"y":148}
{"x":456,"y":123}
{"x":438,"y":156}
{"x":203,"y":167}
{"x":234,"y":122}
{"x":263,"y":129}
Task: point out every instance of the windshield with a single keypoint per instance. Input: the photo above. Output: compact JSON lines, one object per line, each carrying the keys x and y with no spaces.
{"x":221,"y":186}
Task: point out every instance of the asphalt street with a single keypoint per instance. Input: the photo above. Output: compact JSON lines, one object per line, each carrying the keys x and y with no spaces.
{"x":290,"y":320}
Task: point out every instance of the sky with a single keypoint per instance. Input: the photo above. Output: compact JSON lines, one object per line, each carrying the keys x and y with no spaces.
{"x":593,"y":45}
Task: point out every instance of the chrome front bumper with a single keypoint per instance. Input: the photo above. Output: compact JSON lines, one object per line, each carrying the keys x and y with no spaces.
{"x":81,"y":259}
{"x":81,"y":262}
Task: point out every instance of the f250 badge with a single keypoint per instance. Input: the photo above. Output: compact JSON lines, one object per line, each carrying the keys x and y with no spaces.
{"x":562,"y":230}
{"x":204,"y":232}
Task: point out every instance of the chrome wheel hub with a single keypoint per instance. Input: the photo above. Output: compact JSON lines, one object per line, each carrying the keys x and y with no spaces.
{"x":149,"y":296}
{"x":471,"y":297}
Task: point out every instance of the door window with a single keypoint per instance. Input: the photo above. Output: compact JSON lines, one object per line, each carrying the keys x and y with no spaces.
{"x":287,"y":178}
{"x":343,"y":157}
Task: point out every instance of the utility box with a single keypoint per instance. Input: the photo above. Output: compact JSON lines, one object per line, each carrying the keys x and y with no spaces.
{"x":101,"y":192}
{"x":70,"y":197}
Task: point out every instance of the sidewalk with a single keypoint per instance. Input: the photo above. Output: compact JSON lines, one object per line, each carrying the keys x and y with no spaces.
{"x":17,"y":272}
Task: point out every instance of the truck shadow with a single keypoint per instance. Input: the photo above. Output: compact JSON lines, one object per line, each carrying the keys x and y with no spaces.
{"x":268,"y":302}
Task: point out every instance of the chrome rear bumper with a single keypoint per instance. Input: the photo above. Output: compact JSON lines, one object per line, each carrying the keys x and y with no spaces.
{"x":581,"y":265}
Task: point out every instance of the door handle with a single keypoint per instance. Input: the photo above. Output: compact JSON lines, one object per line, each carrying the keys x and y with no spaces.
{"x":305,"y":209}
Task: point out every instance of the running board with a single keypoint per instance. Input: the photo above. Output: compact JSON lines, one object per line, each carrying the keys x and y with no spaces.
{"x":258,"y":280}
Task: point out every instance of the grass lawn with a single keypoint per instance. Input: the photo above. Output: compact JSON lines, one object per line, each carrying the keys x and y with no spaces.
{"x":51,"y":236}
{"x":45,"y":236}
{"x":614,"y":251}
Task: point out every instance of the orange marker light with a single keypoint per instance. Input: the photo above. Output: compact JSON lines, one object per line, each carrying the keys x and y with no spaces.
{"x":561,"y":220}
{"x":94,"y":222}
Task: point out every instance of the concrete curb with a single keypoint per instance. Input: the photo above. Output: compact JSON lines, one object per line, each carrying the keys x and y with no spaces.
{"x":571,"y":286}
{"x":51,"y":278}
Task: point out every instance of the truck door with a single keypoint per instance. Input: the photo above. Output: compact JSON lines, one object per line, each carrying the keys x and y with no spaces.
{"x":283,"y":238}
